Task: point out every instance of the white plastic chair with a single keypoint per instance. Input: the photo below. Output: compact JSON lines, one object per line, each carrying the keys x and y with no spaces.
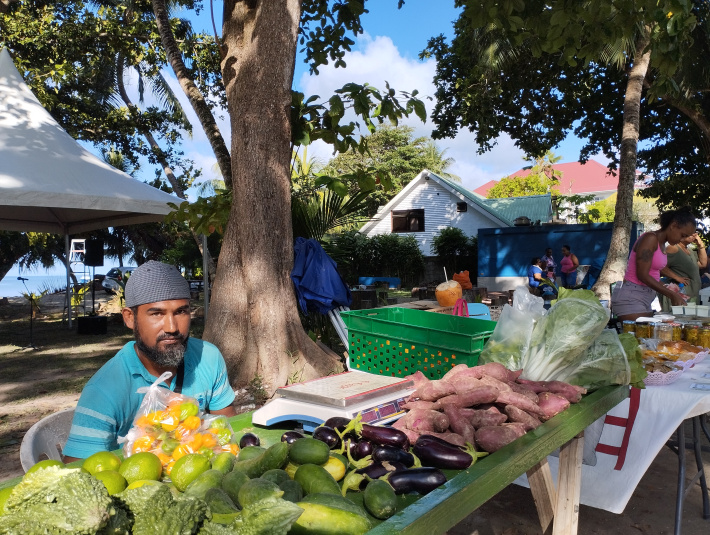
{"x":46,"y":438}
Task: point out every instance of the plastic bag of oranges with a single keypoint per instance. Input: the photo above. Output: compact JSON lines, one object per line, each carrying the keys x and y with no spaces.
{"x":172,"y":425}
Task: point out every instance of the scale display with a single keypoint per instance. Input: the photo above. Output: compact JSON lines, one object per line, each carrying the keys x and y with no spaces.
{"x":378,"y":399}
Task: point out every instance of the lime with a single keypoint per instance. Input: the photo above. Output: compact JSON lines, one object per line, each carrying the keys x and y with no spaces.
{"x":44,"y":464}
{"x":169,"y":445}
{"x":224,"y":462}
{"x":187,"y":468}
{"x":188,"y":409}
{"x":143,"y":465}
{"x":100,"y":461}
{"x":4,"y":495}
{"x":112,"y":480}
{"x":141,"y":482}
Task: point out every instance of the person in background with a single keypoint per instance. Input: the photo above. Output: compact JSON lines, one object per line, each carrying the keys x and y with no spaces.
{"x":568,"y":266}
{"x":550,"y":263}
{"x":684,"y":265}
{"x":641,"y":282}
{"x":535,"y":275}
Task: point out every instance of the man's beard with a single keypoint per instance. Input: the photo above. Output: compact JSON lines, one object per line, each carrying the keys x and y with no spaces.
{"x":171,"y":357}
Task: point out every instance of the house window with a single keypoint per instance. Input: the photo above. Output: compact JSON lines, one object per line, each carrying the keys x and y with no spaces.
{"x":408,"y":220}
{"x":461,"y":206}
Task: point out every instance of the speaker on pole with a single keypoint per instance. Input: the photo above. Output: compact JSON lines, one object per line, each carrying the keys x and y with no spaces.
{"x":94,"y":254}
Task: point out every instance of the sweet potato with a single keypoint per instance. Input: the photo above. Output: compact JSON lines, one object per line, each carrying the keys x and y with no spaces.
{"x":513,"y":375}
{"x":454,"y":371}
{"x":470,"y":398}
{"x":493,"y":438}
{"x":433,"y":390}
{"x":518,"y":426}
{"x":520,"y":401}
{"x":419,"y":378}
{"x":464,"y":382}
{"x":458,"y":423}
{"x":451,"y":438}
{"x":483,"y":418}
{"x":423,"y":421}
{"x":426,"y":405}
{"x":411,"y":435}
{"x":500,"y":385}
{"x":571,"y":393}
{"x":551,"y":405}
{"x":491,"y":369}
{"x":518,"y":415}
{"x":524,"y":390}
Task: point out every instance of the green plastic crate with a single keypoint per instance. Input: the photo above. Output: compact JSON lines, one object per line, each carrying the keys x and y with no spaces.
{"x":400,"y":341}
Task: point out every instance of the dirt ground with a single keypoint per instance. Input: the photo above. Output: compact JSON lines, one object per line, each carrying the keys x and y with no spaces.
{"x":38,"y":382}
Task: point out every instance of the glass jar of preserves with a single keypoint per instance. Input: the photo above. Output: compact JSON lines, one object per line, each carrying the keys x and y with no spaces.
{"x":692,"y":333}
{"x":704,"y":338}
{"x":629,"y":326}
{"x":644,"y":330}
{"x":663,"y":331}
{"x":677,"y":331}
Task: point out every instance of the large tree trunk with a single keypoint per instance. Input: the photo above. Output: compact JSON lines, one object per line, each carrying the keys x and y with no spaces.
{"x":253,"y":316}
{"x":617,"y":257}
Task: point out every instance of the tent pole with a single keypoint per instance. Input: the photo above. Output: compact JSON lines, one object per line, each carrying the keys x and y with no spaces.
{"x":68,"y":298}
{"x":205,"y":275}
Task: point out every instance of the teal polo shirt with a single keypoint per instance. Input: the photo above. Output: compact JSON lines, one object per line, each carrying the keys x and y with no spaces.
{"x":109,"y":402}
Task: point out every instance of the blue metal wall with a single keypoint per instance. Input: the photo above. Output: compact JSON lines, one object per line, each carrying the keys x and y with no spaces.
{"x":506,"y":252}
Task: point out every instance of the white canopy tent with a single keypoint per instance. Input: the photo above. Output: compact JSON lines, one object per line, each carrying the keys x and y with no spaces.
{"x":50,"y":183}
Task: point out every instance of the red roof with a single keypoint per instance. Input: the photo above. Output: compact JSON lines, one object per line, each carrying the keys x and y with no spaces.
{"x":576,"y":178}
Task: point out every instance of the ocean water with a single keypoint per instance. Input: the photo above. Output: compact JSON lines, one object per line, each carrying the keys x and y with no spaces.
{"x":11,"y":287}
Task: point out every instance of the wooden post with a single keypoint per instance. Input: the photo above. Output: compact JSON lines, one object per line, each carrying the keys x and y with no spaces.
{"x":543,"y":492}
{"x":569,"y":483}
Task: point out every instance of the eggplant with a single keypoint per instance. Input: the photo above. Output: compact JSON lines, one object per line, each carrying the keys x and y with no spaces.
{"x":390,"y":454}
{"x":373,"y":471}
{"x":289,"y":437}
{"x":249,"y":439}
{"x":337,"y":422}
{"x":440,"y":441}
{"x":385,"y":436}
{"x":421,"y":480}
{"x":441,"y":454}
{"x":361,"y":450}
{"x":328,"y":435}
{"x":394,"y":466}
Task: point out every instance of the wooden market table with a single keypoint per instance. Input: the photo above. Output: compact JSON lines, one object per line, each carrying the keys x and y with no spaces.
{"x":467,"y":490}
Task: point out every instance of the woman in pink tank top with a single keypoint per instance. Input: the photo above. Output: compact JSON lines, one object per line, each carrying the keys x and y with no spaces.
{"x":648,"y":257}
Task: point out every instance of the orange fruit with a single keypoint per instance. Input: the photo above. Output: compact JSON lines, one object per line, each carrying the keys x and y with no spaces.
{"x":181,"y":432}
{"x":155,"y":417}
{"x":164,"y":459}
{"x":187,"y":468}
{"x":143,"y":465}
{"x":170,"y":423}
{"x":100,"y":461}
{"x":142,"y":421}
{"x":180,"y":452}
{"x":169,"y":467}
{"x":233,"y":448}
{"x":144,"y":443}
{"x":196,"y":442}
{"x":208,"y":440}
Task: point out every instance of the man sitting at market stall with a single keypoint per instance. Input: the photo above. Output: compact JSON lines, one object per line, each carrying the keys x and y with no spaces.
{"x":158,"y":311}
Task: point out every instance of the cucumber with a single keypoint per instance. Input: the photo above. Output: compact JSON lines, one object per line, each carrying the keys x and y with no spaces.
{"x":309,"y":451}
{"x":274,"y":457}
{"x":328,"y":520}
{"x":232,"y":482}
{"x":276,"y":475}
{"x":337,"y":501}
{"x":219,"y":502}
{"x":201,"y":484}
{"x":380,"y":499}
{"x":290,"y":469}
{"x":256,"y":490}
{"x":314,"y":478}
{"x":224,"y":462}
{"x":335,"y":468}
{"x":250,"y":452}
{"x":342,"y":458}
{"x":293,"y":491}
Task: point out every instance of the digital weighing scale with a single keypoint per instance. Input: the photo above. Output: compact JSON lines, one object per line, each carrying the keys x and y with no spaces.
{"x":377,"y":398}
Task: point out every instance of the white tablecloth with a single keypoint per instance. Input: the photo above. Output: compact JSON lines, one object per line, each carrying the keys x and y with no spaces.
{"x":661,"y":410}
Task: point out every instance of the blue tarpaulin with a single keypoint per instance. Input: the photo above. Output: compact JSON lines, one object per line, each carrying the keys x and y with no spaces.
{"x":316,"y":280}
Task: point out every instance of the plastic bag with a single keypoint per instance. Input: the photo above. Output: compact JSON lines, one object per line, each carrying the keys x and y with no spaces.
{"x":171,"y":425}
{"x":510,"y":340}
{"x":561,"y":337}
{"x":603,"y":363}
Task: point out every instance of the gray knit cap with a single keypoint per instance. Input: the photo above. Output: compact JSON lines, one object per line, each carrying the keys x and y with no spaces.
{"x":153,"y":282}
